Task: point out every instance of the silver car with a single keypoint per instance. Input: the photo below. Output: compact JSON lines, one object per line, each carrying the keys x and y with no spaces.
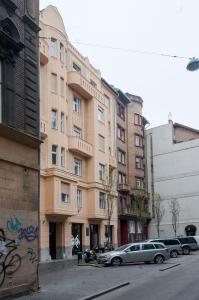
{"x":135,"y":252}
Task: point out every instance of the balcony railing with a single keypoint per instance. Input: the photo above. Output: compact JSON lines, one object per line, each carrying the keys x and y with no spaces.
{"x":123,"y":187}
{"x":82,"y":86}
{"x":130,"y":211}
{"x":80,"y":146}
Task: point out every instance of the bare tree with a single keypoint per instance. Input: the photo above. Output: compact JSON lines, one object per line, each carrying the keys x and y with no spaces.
{"x":175,"y":213}
{"x":158,"y":211}
{"x":109,"y":183}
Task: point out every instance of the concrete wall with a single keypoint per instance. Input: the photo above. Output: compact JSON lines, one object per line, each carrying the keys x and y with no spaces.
{"x":19,"y":232}
{"x":176,"y":175}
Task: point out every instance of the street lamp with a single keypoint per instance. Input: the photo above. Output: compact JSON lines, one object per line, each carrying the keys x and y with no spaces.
{"x":193,"y":65}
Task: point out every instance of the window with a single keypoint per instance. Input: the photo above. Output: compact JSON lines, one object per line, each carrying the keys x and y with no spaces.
{"x":100,"y":114}
{"x":62,"y":86}
{"x":148,"y":246}
{"x":101,"y":171}
{"x":139,"y":182}
{"x":121,"y":133}
{"x":62,"y":157}
{"x":65,"y":198}
{"x":54,"y":119}
{"x":134,"y":248}
{"x":76,"y":68}
{"x":78,"y":167}
{"x":53,"y":47}
{"x":54,"y":155}
{"x":102,"y":202}
{"x":79,"y":199}
{"x":121,"y":157}
{"x":62,"y":121}
{"x":139,"y":162}
{"x":61,"y":52}
{"x":121,"y":111}
{"x":0,"y":91}
{"x":93,"y":83}
{"x":101,"y":142}
{"x":53,"y":83}
{"x":137,"y":119}
{"x":159,"y":246}
{"x":77,"y":132}
{"x":121,"y":178}
{"x":76,"y":104}
{"x":138,"y":140}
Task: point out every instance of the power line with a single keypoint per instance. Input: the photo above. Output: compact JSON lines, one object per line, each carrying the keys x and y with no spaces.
{"x":126,"y":49}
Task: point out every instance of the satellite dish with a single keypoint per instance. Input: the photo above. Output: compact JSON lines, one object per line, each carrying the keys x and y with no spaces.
{"x":193,"y":65}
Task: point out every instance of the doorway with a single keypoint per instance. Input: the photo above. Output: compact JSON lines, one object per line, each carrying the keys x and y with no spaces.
{"x":77,"y":238}
{"x":94,"y":236}
{"x":52,"y":240}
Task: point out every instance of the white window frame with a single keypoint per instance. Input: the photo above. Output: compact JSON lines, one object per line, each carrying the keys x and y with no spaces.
{"x":102,"y":200}
{"x":65,"y":198}
{"x":54,"y":119}
{"x":77,"y":104}
{"x":79,"y":198}
{"x":121,"y":157}
{"x":53,"y":47}
{"x":121,"y":178}
{"x":139,"y":162}
{"x":101,"y":171}
{"x":139,"y":183}
{"x":62,"y":52}
{"x":77,"y":132}
{"x":62,"y":121}
{"x":76,"y":68}
{"x":62,"y":156}
{"x":54,"y":152}
{"x":77,"y":167}
{"x":101,"y":142}
{"x":101,"y":114}
{"x":53,"y":83}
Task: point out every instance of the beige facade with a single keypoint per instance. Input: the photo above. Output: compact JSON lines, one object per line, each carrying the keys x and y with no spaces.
{"x":78,"y":132}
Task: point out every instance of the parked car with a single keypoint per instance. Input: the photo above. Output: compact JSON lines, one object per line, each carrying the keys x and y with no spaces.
{"x":188,"y":243}
{"x":135,"y":252}
{"x":196,"y":237}
{"x":173,"y":245}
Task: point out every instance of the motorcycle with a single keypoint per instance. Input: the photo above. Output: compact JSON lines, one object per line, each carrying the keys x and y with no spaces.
{"x":89,"y":256}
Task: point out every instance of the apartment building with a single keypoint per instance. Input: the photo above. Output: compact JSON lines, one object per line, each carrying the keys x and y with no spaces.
{"x":19,"y":146}
{"x":173,"y":173}
{"x":78,"y":150}
{"x":133,"y":213}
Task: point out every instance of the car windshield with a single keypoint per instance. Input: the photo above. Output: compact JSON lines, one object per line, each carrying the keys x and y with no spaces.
{"x":121,"y":248}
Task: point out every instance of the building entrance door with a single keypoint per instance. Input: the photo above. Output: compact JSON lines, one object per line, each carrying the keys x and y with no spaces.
{"x":94,"y":236}
{"x":52,"y":240}
{"x":124,"y":232}
{"x":76,"y":238}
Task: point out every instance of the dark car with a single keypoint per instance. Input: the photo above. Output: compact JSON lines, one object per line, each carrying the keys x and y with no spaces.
{"x":188,"y":243}
{"x":173,"y":245}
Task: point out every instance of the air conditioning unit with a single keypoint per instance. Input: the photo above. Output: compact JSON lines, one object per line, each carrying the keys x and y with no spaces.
{"x":65,"y":197}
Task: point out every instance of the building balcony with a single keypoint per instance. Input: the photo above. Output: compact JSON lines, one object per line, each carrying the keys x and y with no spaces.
{"x":43,"y":53}
{"x":43,"y":129}
{"x":134,"y":212}
{"x":112,"y":162}
{"x":80,"y":146}
{"x":123,"y":187}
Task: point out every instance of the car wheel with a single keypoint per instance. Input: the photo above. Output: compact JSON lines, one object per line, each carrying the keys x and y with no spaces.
{"x":159,"y":259}
{"x":186,"y":250}
{"x":116,"y":261}
{"x":173,"y":254}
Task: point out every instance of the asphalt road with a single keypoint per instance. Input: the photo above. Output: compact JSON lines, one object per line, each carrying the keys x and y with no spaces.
{"x":146,"y":281}
{"x":178,"y":283}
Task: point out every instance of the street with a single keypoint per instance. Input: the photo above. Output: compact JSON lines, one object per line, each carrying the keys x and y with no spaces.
{"x":146,"y":281}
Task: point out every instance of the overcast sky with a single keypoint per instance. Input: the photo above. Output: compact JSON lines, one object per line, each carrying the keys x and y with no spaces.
{"x":166,"y":26}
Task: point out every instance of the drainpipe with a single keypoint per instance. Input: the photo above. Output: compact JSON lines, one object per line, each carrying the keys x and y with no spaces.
{"x":152,"y":175}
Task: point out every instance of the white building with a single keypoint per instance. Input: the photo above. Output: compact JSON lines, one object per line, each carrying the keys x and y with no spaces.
{"x":173,"y":172}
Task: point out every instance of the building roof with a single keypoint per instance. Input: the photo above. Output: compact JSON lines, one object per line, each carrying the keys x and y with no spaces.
{"x":109,"y":86}
{"x":178,"y":125}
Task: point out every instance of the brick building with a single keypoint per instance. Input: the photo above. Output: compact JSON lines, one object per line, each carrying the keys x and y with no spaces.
{"x":19,"y":145}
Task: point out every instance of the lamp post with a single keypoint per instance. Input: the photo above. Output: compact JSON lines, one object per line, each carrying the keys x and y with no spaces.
{"x":193,"y":64}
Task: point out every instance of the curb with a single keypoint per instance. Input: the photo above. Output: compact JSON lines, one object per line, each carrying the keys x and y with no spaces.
{"x":176,"y":265}
{"x":103,"y":292}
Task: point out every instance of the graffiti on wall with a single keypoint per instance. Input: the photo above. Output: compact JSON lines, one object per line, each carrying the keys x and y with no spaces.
{"x":10,"y":259}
